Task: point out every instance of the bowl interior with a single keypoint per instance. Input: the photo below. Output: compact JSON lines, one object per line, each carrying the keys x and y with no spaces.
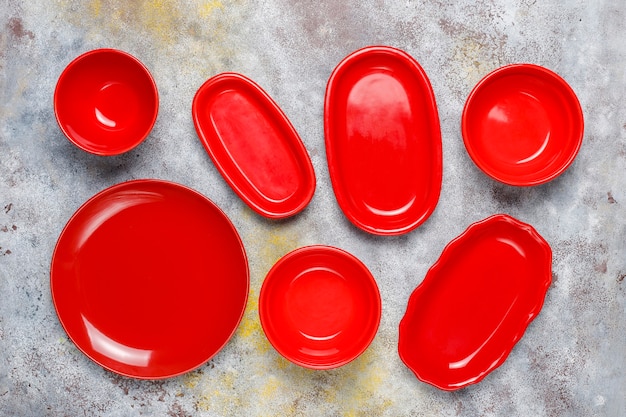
{"x":106,"y":102}
{"x":320,"y":307}
{"x":522,"y":125}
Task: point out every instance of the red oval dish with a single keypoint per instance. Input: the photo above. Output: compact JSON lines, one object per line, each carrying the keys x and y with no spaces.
{"x":149,"y":279}
{"x":522,"y":125}
{"x":319,"y":307}
{"x":475,"y":302}
{"x":383,"y":140}
{"x":253,"y":145}
{"x":106,"y":102}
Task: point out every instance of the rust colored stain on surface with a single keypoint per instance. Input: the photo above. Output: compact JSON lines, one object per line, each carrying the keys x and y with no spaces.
{"x":16,"y":28}
{"x":610,"y":198}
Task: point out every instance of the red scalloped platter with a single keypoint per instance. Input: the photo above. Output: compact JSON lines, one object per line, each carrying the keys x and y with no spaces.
{"x":475,"y":302}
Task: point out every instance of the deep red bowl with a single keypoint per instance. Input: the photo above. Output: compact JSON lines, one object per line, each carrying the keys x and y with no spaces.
{"x":522,"y":125}
{"x":106,"y":102}
{"x":319,"y":307}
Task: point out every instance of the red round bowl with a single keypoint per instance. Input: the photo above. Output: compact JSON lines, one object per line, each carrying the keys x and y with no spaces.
{"x":522,"y":125}
{"x":319,"y":307}
{"x":106,"y":102}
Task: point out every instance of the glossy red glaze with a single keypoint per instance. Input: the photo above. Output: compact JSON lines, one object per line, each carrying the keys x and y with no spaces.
{"x":253,"y":145}
{"x":383,"y":140}
{"x":106,"y":102}
{"x":319,"y":307}
{"x":475,"y":302}
{"x":522,"y":125}
{"x":149,"y":279}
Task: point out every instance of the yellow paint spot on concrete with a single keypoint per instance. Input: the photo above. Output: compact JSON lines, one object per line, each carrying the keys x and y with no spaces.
{"x":357,"y":386}
{"x":195,"y":34}
{"x":207,"y":8}
{"x":96,"y":7}
{"x":268,"y":246}
{"x":250,"y":329}
{"x":192,"y":379}
{"x":209,"y":401}
{"x":220,"y":394}
{"x":475,"y":59}
{"x":161,"y":18}
{"x":228,"y":380}
{"x":475,"y":55}
{"x":270,"y":388}
{"x":277,"y":245}
{"x":282,"y":363}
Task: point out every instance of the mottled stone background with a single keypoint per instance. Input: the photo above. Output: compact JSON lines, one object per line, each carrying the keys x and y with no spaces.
{"x":571,"y":361}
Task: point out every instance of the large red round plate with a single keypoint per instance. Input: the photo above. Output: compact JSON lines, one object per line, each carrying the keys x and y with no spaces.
{"x":149,"y":279}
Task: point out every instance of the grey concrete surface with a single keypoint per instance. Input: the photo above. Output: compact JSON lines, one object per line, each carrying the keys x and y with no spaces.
{"x":571,"y":360}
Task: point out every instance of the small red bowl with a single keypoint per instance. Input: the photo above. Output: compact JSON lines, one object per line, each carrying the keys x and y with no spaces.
{"x":320,"y":307}
{"x":522,"y":125}
{"x":106,"y":102}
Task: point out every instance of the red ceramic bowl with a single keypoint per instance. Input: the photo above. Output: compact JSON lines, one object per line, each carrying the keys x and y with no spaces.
{"x":522,"y":125}
{"x":320,"y":307}
{"x":106,"y":102}
{"x":149,"y":279}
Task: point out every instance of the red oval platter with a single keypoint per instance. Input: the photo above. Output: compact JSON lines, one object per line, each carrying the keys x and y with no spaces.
{"x":475,"y":302}
{"x":149,"y":279}
{"x":383,"y":140}
{"x":522,"y":125}
{"x":254,"y":145}
{"x":320,"y":307}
